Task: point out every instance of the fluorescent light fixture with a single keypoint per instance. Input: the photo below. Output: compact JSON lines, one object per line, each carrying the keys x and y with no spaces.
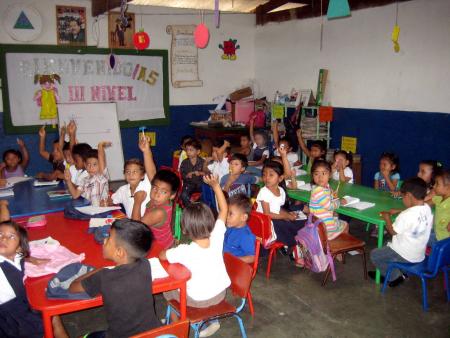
{"x":287,"y":6}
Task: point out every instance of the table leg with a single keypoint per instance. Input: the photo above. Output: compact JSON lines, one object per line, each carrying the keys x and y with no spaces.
{"x":183,"y":302}
{"x":380,"y":244}
{"x":48,"y":327}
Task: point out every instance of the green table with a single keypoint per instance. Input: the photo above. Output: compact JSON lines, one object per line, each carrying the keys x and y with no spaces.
{"x":383,"y":202}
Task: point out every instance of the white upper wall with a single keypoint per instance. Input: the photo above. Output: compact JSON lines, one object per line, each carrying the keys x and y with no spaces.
{"x":364,"y":71}
{"x":219,"y":76}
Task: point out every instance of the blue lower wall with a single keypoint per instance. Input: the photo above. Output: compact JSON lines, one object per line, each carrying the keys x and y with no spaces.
{"x":167,"y":138}
{"x":414,"y":136}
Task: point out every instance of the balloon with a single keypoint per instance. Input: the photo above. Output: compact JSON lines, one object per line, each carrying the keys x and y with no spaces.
{"x":201,"y":36}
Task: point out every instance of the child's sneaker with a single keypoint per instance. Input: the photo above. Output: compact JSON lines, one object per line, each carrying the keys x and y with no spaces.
{"x":398,"y":281}
{"x":212,"y":328}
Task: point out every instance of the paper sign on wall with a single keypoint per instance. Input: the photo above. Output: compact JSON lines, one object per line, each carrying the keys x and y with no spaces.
{"x":151,"y":135}
{"x":277,"y":111}
{"x":349,"y":143}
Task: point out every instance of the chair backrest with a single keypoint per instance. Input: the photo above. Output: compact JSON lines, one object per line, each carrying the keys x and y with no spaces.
{"x":260,"y":225}
{"x":208,"y":196}
{"x":179,"y":329}
{"x":240,"y":274}
{"x":254,"y":265}
{"x":322,"y":234}
{"x":439,"y":257}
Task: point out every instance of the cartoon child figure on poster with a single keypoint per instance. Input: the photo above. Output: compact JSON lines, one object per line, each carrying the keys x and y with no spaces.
{"x":47,"y":97}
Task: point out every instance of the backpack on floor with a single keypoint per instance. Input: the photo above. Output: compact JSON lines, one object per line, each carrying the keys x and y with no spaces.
{"x":309,"y":252}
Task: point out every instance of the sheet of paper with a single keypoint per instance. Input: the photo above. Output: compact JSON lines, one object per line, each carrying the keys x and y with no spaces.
{"x":305,"y":187}
{"x":6,"y":193}
{"x":362,"y":205}
{"x":300,"y":216}
{"x":157,"y":269}
{"x":15,"y":180}
{"x":45,"y":183}
{"x":350,"y":200}
{"x":90,"y":210}
{"x":99,"y":222}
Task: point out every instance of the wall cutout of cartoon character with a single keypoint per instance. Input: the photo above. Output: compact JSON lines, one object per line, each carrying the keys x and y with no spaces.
{"x":47,"y":97}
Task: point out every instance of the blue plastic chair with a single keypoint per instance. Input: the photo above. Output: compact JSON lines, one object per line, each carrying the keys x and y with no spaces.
{"x":439,"y":259}
{"x":208,"y":197}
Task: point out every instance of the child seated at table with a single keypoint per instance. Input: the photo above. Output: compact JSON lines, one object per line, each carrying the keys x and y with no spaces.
{"x":285,"y":143}
{"x":219,"y":165}
{"x":203,"y":256}
{"x":126,"y":288}
{"x":387,"y":179}
{"x":55,"y":158}
{"x":410,"y":232}
{"x":427,"y":172}
{"x":14,"y":161}
{"x":237,"y":181}
{"x":246,"y":148}
{"x":192,"y":169}
{"x":16,"y":317}
{"x":318,"y":150}
{"x":239,"y":239}
{"x":260,"y":147}
{"x":94,"y":188}
{"x":138,"y":176}
{"x":158,"y":214}
{"x":78,"y":171}
{"x":342,"y":166}
{"x":441,"y":200}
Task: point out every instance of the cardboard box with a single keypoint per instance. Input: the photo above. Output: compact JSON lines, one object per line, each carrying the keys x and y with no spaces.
{"x":241,"y":110}
{"x":241,"y":94}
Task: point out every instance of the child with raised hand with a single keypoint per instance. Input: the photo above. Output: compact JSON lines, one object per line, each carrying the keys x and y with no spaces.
{"x":441,"y":200}
{"x":284,"y":143}
{"x":138,"y":176}
{"x":158,"y":212}
{"x":219,"y":165}
{"x":270,"y":201}
{"x":203,"y":256}
{"x":237,"y":181}
{"x":14,"y":161}
{"x":323,"y":202}
{"x":342,"y":166}
{"x":55,"y":158}
{"x":388,"y":177}
{"x":239,"y":239}
{"x":78,"y":154}
{"x":410,"y":232}
{"x":16,"y":317}
{"x":318,"y":150}
{"x":126,"y":288}
{"x":192,"y":170}
{"x":260,"y":148}
{"x":94,"y":188}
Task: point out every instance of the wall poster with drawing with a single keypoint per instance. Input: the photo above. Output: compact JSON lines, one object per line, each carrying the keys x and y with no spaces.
{"x":120,"y":35}
{"x":71,"y":25}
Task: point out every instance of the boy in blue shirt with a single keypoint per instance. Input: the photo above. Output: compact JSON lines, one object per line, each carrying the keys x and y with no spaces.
{"x":239,"y":240}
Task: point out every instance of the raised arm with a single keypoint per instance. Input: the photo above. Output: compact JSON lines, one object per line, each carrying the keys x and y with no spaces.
{"x":102,"y":156}
{"x":44,"y":153}
{"x":62,"y":137}
{"x":222,"y":149}
{"x":213,"y":182}
{"x":25,"y":155}
{"x":70,"y":186}
{"x":4,"y":211}
{"x":302,"y":144}
{"x":149,"y":163}
{"x":276,"y":136}
{"x":72,"y":130}
{"x":252,"y":122}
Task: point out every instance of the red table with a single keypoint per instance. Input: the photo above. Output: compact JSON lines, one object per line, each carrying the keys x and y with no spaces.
{"x":73,"y":235}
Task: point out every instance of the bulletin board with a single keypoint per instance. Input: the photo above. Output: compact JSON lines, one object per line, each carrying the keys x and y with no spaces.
{"x":35,"y":79}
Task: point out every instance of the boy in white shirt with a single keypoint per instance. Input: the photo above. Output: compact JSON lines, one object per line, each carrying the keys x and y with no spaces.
{"x":219,"y":165}
{"x":410,"y":231}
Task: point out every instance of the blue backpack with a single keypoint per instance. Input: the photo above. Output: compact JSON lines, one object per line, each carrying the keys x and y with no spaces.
{"x":309,"y":252}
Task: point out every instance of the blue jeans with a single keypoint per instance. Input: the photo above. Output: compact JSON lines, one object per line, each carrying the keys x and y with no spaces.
{"x":381,"y":257}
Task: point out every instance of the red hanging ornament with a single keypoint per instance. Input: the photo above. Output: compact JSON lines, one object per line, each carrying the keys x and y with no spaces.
{"x":141,"y":40}
{"x":201,"y":36}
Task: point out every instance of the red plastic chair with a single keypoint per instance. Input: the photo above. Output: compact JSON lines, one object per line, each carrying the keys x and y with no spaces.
{"x":179,"y":329}
{"x":254,"y":266}
{"x":261,"y":226}
{"x":175,"y":159}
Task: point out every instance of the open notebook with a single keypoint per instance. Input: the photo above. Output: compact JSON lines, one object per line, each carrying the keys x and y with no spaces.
{"x":355,"y":202}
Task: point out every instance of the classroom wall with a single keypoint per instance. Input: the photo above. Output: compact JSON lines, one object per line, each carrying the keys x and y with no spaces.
{"x":364,"y":71}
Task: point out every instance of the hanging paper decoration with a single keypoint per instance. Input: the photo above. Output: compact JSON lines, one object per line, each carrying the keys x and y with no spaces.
{"x":338,"y":9}
{"x":201,"y":36}
{"x":141,"y":40}
{"x":216,"y":13}
{"x":396,"y":32}
{"x":229,"y":49}
{"x":112,"y":60}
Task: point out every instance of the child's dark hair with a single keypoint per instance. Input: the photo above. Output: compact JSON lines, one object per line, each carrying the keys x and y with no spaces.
{"x":320,"y":163}
{"x":347,"y":154}
{"x":242,"y":202}
{"x":275,"y":166}
{"x":247,"y":136}
{"x":169,"y":177}
{"x":194,"y":144}
{"x":135,"y":236}
{"x":197,"y":221}
{"x":319,"y":144}
{"x":444,"y":174}
{"x":14,"y":152}
{"x":81,"y":149}
{"x":93,"y":153}
{"x":66,"y":146}
{"x":184,"y":139}
{"x":416,"y":187}
{"x":435,"y":167}
{"x":287,"y":140}
{"x":393,"y":158}
{"x":23,"y":237}
{"x":240,"y":157}
{"x":134,"y":161}
{"x":219,"y":143}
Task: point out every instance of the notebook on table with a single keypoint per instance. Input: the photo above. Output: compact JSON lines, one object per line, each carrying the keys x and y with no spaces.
{"x":356,"y":203}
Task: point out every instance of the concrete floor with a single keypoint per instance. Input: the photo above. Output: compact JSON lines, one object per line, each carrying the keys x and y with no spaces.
{"x":292,"y":303}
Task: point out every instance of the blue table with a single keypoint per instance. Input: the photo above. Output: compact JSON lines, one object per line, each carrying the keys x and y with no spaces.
{"x":29,"y":200}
